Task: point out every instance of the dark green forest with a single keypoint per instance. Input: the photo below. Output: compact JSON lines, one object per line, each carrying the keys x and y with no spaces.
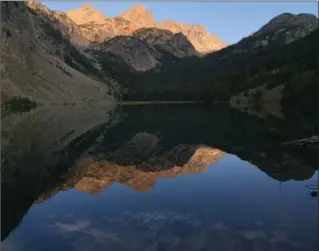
{"x":220,"y":75}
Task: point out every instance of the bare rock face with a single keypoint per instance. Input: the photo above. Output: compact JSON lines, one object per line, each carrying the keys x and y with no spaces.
{"x":60,"y":21}
{"x":286,"y":28}
{"x":139,"y":15}
{"x":86,"y":14}
{"x":150,"y":39}
{"x":198,"y":35}
{"x":282,"y":29}
{"x":135,"y":52}
{"x":176,"y":44}
{"x":69,"y":29}
{"x":99,"y":33}
{"x":147,"y":48}
{"x":32,"y":59}
{"x":289,"y":27}
{"x":98,"y":28}
{"x":201,"y":39}
{"x":136,"y":18}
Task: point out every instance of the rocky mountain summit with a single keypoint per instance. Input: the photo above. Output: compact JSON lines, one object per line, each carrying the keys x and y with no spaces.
{"x":198,"y":35}
{"x":136,"y":18}
{"x":98,"y":33}
{"x":132,"y":38}
{"x":86,"y":14}
{"x":282,"y":29}
{"x":291,"y":24}
{"x":139,"y":15}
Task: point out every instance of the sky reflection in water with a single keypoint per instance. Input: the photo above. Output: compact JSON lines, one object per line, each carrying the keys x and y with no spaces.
{"x":230,"y":205}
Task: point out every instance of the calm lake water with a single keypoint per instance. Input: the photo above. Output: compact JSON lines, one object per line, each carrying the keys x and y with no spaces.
{"x":157,"y":178}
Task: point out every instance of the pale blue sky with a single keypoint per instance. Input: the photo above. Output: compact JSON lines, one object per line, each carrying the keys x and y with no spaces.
{"x":230,"y":21}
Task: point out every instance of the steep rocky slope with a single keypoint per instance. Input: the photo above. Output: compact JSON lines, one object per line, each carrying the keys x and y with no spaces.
{"x":282,"y":29}
{"x":198,"y":35}
{"x":86,"y":14}
{"x":60,"y":21}
{"x":136,"y":18}
{"x":145,"y":49}
{"x":139,"y":15}
{"x":176,"y":44}
{"x":122,"y":37}
{"x":98,"y":33}
{"x":135,"y":52}
{"x":290,"y":26}
{"x":38,"y":61}
{"x":241,"y":67}
{"x":88,"y":29}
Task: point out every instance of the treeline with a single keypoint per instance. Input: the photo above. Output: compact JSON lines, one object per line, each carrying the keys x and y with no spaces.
{"x":220,"y":75}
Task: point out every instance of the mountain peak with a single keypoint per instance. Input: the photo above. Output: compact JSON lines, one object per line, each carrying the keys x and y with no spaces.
{"x":87,"y":7}
{"x":86,"y":14}
{"x":289,"y":21}
{"x":286,"y":18}
{"x":138,"y":8}
{"x":140,"y":15}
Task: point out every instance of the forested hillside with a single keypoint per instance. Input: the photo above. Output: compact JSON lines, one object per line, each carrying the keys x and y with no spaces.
{"x":221,"y":75}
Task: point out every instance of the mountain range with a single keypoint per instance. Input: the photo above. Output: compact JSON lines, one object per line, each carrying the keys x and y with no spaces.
{"x":84,"y":56}
{"x":97,"y":28}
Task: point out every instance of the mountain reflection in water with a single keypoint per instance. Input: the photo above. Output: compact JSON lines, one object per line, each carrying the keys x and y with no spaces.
{"x":228,"y":205}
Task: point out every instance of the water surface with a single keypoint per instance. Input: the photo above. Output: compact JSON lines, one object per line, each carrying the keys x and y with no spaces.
{"x":169,"y":177}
